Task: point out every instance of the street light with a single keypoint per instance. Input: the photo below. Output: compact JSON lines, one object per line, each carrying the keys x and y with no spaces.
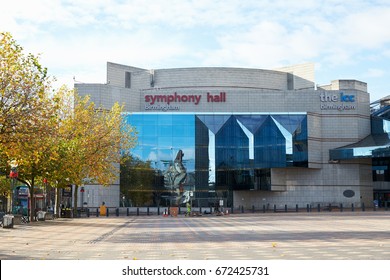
{"x":13,"y":175}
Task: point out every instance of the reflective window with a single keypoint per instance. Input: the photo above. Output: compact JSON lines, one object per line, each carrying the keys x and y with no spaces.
{"x":202,"y":158}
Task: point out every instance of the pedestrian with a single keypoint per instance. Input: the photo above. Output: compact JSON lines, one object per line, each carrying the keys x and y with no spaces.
{"x":188,"y":209}
{"x":103,"y":209}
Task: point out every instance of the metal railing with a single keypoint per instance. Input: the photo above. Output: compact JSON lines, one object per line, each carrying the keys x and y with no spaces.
{"x":267,"y":208}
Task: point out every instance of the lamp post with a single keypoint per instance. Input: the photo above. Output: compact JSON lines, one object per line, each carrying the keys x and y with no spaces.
{"x":13,"y":175}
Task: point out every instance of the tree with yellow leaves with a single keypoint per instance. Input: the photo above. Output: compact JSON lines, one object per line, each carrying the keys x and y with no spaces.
{"x":54,"y":135}
{"x":90,"y":141}
{"x":27,"y":113}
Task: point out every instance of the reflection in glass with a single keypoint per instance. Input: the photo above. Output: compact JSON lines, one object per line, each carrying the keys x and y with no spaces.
{"x":211,"y":155}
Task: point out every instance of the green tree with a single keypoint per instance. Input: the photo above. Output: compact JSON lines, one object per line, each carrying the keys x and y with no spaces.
{"x":137,"y":180}
{"x":27,"y":113}
{"x":23,"y":90}
{"x":55,"y":135}
{"x":90,"y":140}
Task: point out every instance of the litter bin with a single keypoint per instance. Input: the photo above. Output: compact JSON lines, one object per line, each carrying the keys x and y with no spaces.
{"x":41,"y":215}
{"x":8,"y":221}
{"x":174,"y":211}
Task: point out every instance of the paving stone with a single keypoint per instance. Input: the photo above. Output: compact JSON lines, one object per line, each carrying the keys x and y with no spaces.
{"x":316,"y":236}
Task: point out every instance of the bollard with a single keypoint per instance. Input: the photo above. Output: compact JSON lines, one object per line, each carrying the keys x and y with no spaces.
{"x":341,"y":207}
{"x":211,"y":210}
{"x":97,"y":212}
{"x":147,"y":211}
{"x":200,"y":209}
{"x":274,"y":208}
{"x":352,"y":207}
{"x":330,"y":207}
{"x":137,"y":211}
{"x":263,"y":208}
{"x":127,"y":211}
{"x":87,"y":212}
{"x":242,"y":209}
{"x":307,"y":208}
{"x":285,"y":208}
{"x":117,"y":212}
{"x":107,"y":213}
{"x":296,"y":207}
{"x":363,"y":207}
{"x":253,"y":209}
{"x":169,"y":210}
{"x":318,"y":207}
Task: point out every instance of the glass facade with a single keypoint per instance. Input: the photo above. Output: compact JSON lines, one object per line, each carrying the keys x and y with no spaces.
{"x":203,"y":158}
{"x":375,"y":145}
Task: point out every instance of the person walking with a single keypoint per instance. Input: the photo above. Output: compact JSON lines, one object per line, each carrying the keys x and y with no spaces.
{"x":188,"y":209}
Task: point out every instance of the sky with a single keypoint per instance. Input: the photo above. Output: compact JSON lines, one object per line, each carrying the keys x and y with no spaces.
{"x":347,"y":39}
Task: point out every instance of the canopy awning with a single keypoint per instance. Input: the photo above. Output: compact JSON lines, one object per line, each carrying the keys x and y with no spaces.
{"x":374,"y":145}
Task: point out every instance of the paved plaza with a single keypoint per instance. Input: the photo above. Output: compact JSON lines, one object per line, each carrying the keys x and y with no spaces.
{"x":271,"y":236}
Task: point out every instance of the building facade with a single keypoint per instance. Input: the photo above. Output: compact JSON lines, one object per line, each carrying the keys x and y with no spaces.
{"x":238,"y":137}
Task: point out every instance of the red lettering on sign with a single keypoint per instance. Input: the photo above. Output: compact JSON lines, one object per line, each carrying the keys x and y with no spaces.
{"x":185,"y":98}
{"x":221,"y":97}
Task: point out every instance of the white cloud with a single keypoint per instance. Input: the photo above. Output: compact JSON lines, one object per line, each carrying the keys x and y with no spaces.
{"x":374,"y":73}
{"x":367,"y":29}
{"x":79,"y":37}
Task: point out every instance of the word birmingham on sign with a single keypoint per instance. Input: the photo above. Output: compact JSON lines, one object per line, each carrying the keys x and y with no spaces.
{"x":184,"y":98}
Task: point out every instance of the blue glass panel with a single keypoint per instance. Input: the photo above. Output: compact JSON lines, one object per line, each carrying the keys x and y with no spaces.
{"x":289,"y":122}
{"x":165,"y":119}
{"x":166,"y":142}
{"x":270,"y":146}
{"x":134,"y":118}
{"x":376,"y":125}
{"x":386,"y":126}
{"x":232,"y":156}
{"x":184,"y":130}
{"x":149,"y":141}
{"x":149,"y":130}
{"x":164,"y":129}
{"x":252,"y":122}
{"x":214,"y":122}
{"x":137,"y":151}
{"x":180,"y":120}
{"x":150,"y":119}
{"x":300,"y":147}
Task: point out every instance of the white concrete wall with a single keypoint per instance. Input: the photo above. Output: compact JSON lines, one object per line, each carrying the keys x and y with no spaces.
{"x":94,"y":195}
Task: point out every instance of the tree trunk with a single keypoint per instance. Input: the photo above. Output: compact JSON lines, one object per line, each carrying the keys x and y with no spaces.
{"x":57,"y":202}
{"x":76,"y":191}
{"x":32,"y":200}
